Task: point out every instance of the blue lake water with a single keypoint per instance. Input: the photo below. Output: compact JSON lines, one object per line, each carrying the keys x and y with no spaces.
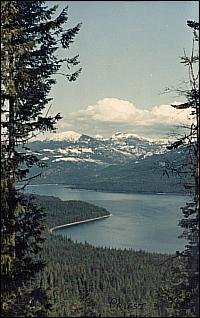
{"x":139,"y":221}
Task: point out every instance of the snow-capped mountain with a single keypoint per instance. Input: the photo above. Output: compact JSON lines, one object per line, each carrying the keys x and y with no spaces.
{"x":73,"y":147}
{"x":123,"y":136}
{"x":64,"y":136}
{"x":123,"y":162}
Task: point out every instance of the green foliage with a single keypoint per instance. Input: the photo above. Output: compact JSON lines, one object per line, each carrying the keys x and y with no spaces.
{"x":30,"y":38}
{"x":84,"y":279}
{"x":180,"y":295}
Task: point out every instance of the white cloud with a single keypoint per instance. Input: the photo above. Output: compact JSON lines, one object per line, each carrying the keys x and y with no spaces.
{"x":110,"y":110}
{"x":169,"y":115}
{"x":112,"y":113}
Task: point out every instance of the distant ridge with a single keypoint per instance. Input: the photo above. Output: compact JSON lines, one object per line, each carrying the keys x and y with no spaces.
{"x":75,"y":136}
{"x":67,"y":135}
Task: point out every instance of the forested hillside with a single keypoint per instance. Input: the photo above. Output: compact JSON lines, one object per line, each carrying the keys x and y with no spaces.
{"x":61,"y":212}
{"x":86,"y":281}
{"x":83,"y":280}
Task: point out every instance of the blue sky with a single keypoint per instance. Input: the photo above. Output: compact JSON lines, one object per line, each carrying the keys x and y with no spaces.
{"x":129,"y":52}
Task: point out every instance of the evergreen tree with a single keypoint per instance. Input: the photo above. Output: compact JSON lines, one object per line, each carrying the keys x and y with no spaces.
{"x":30,"y":37}
{"x":181,"y":296}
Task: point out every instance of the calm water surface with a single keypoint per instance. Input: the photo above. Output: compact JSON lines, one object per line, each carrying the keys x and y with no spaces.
{"x":138,"y":221}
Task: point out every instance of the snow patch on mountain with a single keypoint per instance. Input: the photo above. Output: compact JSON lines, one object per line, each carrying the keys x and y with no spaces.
{"x":64,"y":136}
{"x":100,"y":137}
{"x":77,"y":150}
{"x":48,"y":150}
{"x":123,"y":152}
{"x":78,"y":160}
{"x":119,"y":136}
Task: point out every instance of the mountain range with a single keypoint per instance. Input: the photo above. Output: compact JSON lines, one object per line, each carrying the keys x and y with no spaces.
{"x":123,"y":162}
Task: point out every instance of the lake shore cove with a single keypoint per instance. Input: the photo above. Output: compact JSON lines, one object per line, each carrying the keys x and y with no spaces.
{"x":133,"y":221}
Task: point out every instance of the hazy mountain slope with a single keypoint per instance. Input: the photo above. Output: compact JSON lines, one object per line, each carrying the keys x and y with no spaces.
{"x":147,"y":176}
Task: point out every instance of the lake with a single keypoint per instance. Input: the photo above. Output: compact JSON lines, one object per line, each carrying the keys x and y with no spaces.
{"x":139,"y":221}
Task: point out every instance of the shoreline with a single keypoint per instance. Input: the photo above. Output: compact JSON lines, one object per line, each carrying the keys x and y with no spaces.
{"x":110,"y":191}
{"x":78,"y":222}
